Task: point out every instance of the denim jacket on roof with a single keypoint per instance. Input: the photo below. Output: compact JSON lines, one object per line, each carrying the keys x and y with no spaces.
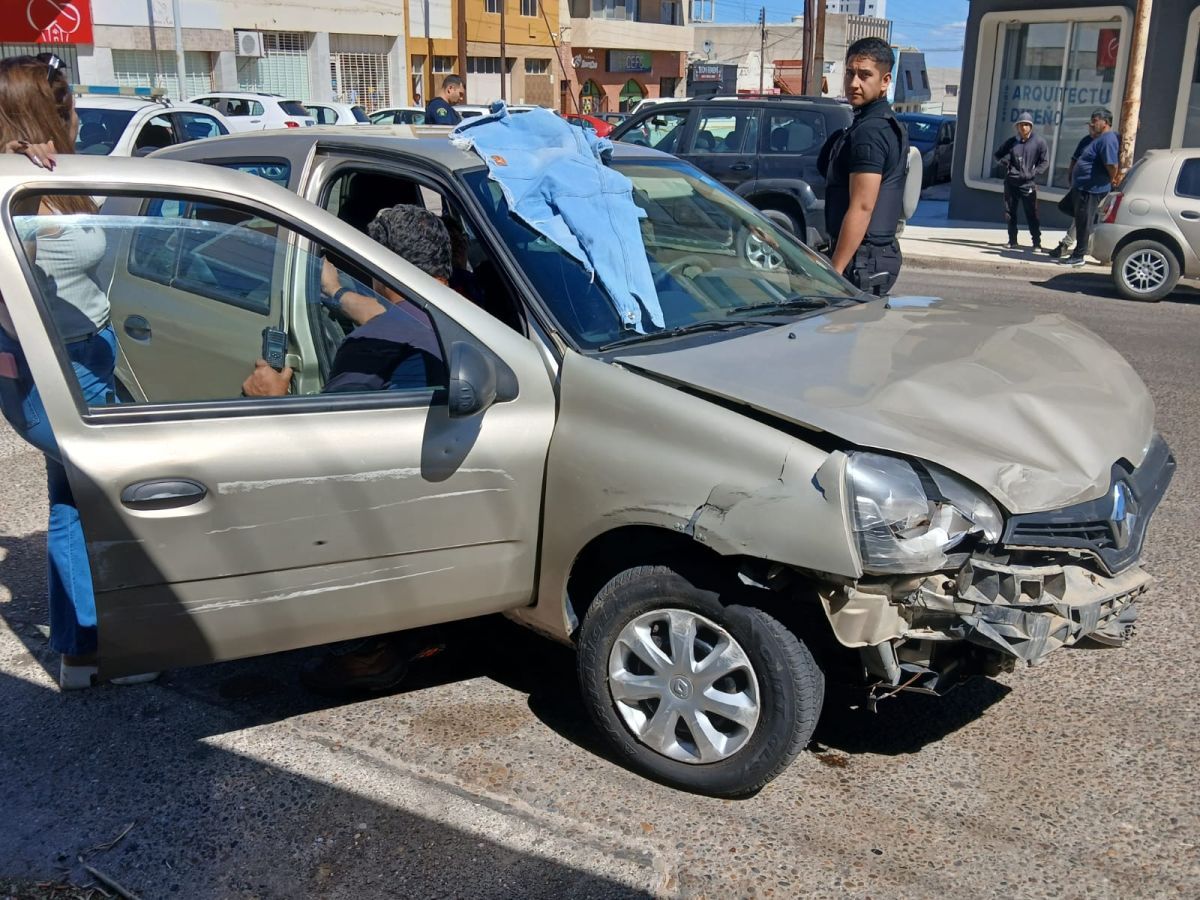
{"x":554,"y":180}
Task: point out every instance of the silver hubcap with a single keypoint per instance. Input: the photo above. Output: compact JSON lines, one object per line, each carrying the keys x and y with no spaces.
{"x":1145,"y":271}
{"x":683,"y":686}
{"x":760,"y":254}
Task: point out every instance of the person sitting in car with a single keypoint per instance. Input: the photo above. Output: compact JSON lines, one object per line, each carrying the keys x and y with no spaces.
{"x":394,"y":346}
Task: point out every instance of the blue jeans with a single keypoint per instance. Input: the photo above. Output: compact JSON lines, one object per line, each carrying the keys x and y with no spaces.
{"x":72,"y":600}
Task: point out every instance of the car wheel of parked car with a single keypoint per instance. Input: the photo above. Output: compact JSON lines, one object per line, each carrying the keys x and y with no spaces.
{"x":710,"y":697}
{"x":758,"y":251}
{"x":1145,"y":270}
{"x":784,"y":220}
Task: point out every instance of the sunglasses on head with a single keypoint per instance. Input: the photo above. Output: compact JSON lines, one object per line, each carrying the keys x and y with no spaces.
{"x":54,"y":63}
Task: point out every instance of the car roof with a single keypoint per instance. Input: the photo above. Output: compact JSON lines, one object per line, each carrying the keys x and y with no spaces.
{"x":766,"y":101}
{"x":428,"y":142}
{"x":925,"y":117}
{"x":136,"y":104}
{"x":248,"y":95}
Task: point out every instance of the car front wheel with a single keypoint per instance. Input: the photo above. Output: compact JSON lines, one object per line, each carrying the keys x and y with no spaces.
{"x":1145,"y":270}
{"x":706,"y":696}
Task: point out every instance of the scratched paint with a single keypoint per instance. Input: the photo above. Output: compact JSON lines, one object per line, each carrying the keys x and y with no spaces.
{"x":245,"y":487}
{"x":328,"y":587}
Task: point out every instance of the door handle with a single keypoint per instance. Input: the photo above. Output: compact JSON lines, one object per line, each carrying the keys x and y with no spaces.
{"x":739,"y":167}
{"x":164,"y":493}
{"x":138,"y":328}
{"x":1190,"y":214}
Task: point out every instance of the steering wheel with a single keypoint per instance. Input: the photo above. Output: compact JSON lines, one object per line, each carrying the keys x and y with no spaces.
{"x":696,"y":259}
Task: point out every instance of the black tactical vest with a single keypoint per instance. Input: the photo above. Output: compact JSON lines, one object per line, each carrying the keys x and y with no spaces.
{"x":889,"y":207}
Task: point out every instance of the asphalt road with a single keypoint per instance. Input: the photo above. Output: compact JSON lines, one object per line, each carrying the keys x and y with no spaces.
{"x":484,"y":778}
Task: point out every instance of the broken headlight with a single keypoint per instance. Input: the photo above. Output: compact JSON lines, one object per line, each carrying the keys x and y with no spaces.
{"x":908,"y":515}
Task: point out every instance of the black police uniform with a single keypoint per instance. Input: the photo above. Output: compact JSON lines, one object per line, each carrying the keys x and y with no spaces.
{"x":875,"y":142}
{"x":439,"y":112}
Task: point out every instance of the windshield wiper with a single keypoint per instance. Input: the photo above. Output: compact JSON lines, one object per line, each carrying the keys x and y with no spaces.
{"x":800,"y":301}
{"x":707,"y":325}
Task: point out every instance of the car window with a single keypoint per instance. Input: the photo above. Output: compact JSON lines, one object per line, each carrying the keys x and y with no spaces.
{"x":158,"y":132}
{"x":725,"y":131}
{"x":296,"y":108}
{"x":277,"y":171}
{"x":710,"y":254}
{"x":237,"y":107}
{"x":323,"y":114}
{"x":197,"y":292}
{"x":1188,"y":184}
{"x":795,"y":132}
{"x":662,"y":132}
{"x":360,"y":114}
{"x":213,"y":102}
{"x":921,"y":131}
{"x":197,"y":126}
{"x":100,"y":130}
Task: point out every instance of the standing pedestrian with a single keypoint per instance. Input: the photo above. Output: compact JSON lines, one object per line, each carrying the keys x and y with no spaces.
{"x":440,"y":110}
{"x":1095,"y":174}
{"x":1067,"y":204}
{"x":865,"y":167}
{"x":1026,"y":158}
{"x":38,"y":120}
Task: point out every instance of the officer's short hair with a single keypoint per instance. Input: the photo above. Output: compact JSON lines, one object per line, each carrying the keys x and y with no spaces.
{"x":415,"y":234}
{"x":875,"y":49}
{"x":453,"y":81}
{"x":1102,"y":113}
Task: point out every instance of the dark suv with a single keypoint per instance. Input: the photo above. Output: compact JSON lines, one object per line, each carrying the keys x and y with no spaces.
{"x":764,"y":149}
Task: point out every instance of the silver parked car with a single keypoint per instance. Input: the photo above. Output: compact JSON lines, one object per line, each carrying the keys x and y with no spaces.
{"x":788,"y":483}
{"x":1150,"y":229}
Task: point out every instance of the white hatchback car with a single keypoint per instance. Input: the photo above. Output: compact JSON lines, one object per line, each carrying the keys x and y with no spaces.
{"x":118,"y":124}
{"x":332,"y":112}
{"x":255,"y":112}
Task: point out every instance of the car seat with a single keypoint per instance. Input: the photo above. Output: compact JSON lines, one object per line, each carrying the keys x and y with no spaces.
{"x":93,"y":134}
{"x":779,"y":139}
{"x":153,"y":137}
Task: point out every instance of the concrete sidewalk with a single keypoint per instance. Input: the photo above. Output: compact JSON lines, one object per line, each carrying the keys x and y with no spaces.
{"x":932,"y":240}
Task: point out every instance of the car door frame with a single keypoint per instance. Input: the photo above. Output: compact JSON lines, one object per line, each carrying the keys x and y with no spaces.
{"x":142,"y":629}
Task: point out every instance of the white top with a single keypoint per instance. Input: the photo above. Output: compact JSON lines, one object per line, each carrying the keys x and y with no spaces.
{"x":68,"y":258}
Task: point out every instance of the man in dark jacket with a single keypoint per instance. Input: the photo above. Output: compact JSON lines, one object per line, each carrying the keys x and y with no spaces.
{"x":1025,"y":158}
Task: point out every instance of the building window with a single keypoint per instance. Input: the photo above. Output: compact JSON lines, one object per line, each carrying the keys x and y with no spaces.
{"x":529,"y":8}
{"x":537,"y":66}
{"x":491,"y":6}
{"x":670,"y":13}
{"x":485,"y":65}
{"x":282,"y":69}
{"x":615,"y":9}
{"x":444,"y":65}
{"x":631,"y":95}
{"x":908,"y":79}
{"x":1187,"y":112}
{"x":924,"y":79}
{"x":1059,"y":72}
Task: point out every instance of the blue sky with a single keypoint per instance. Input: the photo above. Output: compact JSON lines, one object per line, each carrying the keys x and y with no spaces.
{"x":918,"y":23}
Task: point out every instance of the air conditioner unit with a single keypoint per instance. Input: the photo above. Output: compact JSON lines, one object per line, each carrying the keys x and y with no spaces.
{"x":249,"y":43}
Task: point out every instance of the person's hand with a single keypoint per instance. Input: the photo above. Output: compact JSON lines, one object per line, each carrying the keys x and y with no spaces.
{"x":44,"y":156}
{"x":329,"y":278}
{"x":266,"y":382}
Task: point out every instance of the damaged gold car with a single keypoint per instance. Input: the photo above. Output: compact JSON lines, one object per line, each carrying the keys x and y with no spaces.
{"x":786,"y":482}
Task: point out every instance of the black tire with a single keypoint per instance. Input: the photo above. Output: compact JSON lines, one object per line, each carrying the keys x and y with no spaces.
{"x":1148,"y":256}
{"x":790,"y":685}
{"x":784,"y":220}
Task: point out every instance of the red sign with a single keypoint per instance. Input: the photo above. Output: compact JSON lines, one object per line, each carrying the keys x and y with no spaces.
{"x":1107,"y":45}
{"x":47,"y":22}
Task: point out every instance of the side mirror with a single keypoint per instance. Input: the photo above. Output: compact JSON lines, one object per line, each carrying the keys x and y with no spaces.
{"x":473,"y":380}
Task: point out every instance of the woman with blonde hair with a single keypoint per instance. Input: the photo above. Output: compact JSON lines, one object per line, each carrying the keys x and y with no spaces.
{"x":38,"y":120}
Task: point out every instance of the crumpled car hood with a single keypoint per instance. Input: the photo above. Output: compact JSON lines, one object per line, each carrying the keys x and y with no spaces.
{"x":1032,"y":407}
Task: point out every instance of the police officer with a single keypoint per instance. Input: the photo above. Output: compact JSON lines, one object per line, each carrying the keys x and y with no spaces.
{"x":440,"y":110}
{"x":865,"y":168}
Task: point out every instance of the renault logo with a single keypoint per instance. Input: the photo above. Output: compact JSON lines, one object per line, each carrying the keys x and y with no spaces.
{"x":1121,"y":518}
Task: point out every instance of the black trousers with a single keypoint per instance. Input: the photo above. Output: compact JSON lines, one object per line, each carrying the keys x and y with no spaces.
{"x":1086,"y":207}
{"x":874,"y":269}
{"x":1014,"y":197}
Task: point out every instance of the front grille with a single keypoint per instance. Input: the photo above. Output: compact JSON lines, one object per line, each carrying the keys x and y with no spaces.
{"x":1111,"y":528}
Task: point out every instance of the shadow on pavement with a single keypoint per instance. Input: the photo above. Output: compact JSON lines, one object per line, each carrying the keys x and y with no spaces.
{"x":1072,"y":281}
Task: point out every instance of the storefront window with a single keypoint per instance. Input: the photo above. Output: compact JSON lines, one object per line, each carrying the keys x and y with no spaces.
{"x":631,"y":95}
{"x":591,"y":99}
{"x":1059,"y":72}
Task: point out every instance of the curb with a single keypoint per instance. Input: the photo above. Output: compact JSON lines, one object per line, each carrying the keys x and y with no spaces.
{"x":1032,"y":268}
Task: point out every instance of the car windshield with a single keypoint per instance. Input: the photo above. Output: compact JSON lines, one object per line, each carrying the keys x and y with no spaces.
{"x":360,"y":114}
{"x":921,"y":131}
{"x":293,"y":108}
{"x":715,"y":260}
{"x":100,"y":130}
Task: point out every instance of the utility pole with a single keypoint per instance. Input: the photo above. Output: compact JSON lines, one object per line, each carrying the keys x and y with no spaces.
{"x":806,"y":47}
{"x":153,"y":43}
{"x":762,"y":46}
{"x":461,"y":25}
{"x":180,"y":64}
{"x":818,"y":56}
{"x":503,"y":51}
{"x":1131,"y":105}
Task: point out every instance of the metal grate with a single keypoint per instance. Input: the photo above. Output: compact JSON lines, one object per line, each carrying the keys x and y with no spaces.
{"x":66,"y":52}
{"x":282,"y":69}
{"x":135,"y":68}
{"x":359,"y":70}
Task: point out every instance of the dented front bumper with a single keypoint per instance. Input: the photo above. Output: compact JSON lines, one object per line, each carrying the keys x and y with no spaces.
{"x":923,"y":633}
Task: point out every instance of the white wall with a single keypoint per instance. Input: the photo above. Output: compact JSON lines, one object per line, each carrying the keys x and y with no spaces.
{"x":338,"y":16}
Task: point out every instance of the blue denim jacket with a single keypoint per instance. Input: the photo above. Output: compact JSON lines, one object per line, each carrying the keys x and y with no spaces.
{"x":555,"y":181}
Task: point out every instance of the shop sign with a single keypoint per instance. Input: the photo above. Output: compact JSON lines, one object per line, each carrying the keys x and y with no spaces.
{"x":47,"y":22}
{"x":629,"y":61}
{"x":584,"y":62}
{"x":1046,"y":100}
{"x":706,"y":72}
{"x":1107,"y":44}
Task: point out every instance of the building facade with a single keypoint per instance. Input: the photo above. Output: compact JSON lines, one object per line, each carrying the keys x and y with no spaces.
{"x":1060,"y":61}
{"x":874,"y":8}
